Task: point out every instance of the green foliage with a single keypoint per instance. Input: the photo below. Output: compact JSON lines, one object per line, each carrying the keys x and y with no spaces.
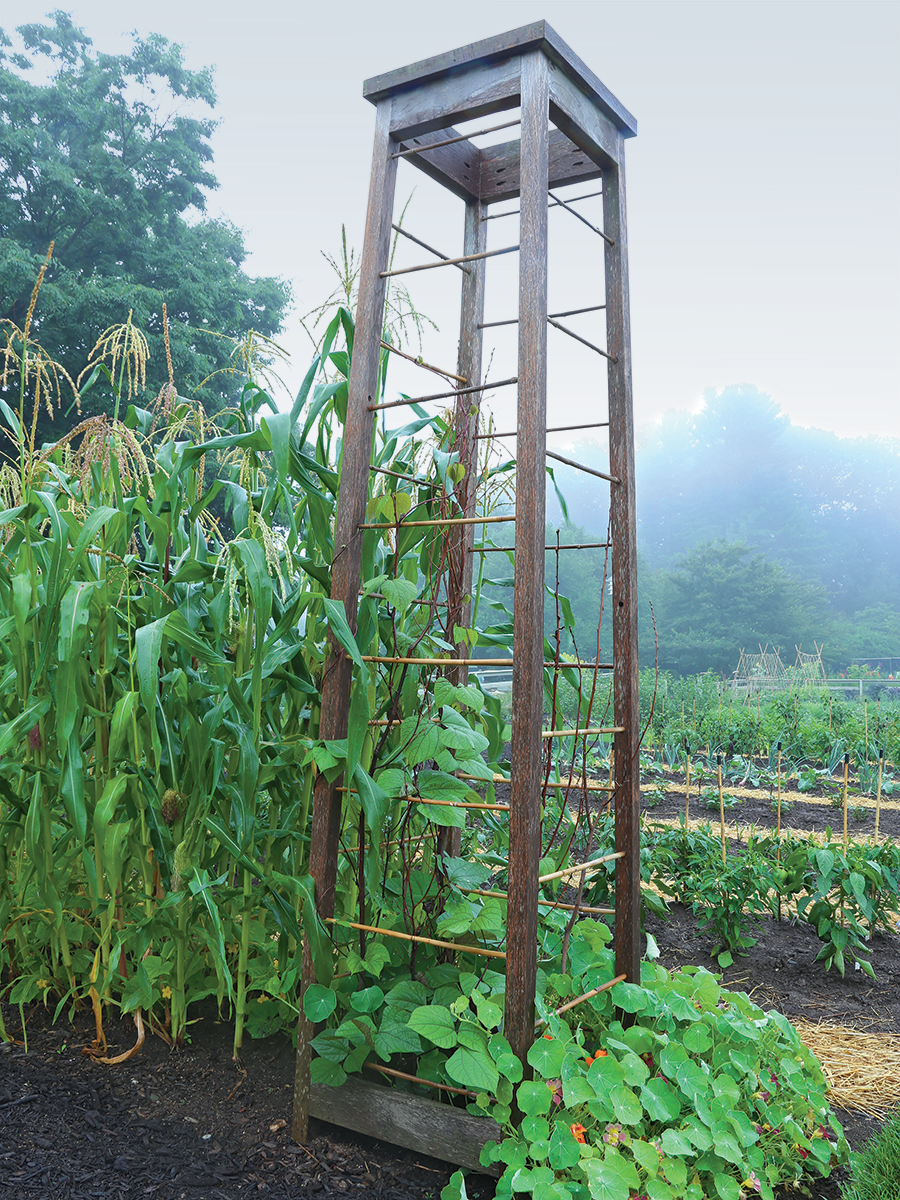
{"x":875,"y":1170}
{"x":110,"y":160}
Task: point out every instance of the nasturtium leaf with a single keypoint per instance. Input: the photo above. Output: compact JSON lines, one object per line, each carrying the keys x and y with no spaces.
{"x":725,"y":1146}
{"x":658,"y":1190}
{"x":546,"y":1055}
{"x":627,"y":1107}
{"x":726,"y":1186}
{"x":674,"y":1142}
{"x":660,"y":1100}
{"x":697,"y":1039}
{"x":535,"y":1128}
{"x":436,"y":1023}
{"x":646,"y":1156}
{"x":676,"y":1173}
{"x":321,"y":1070}
{"x":319,"y":1002}
{"x":691,"y":1079}
{"x":533,"y":1097}
{"x":564,"y":1150}
{"x":611,"y":1179}
{"x":629,"y":997}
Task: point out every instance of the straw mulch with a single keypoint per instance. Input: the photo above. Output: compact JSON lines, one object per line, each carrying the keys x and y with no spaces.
{"x":862,"y":1069}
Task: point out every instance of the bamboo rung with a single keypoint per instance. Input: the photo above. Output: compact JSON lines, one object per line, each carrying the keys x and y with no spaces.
{"x":412,"y":937}
{"x":372,"y":1066}
{"x":582,"y":908}
{"x":552,"y":733}
{"x":579,"y":338}
{"x":572,"y":312}
{"x":604,"y":987}
{"x":463,"y":137}
{"x":431,"y":250}
{"x":449,"y":262}
{"x":595,"y":862}
{"x":570,"y":462}
{"x":401,"y":524}
{"x":418,"y":361}
{"x":586,"y":666}
{"x":457,"y":803}
{"x":562,"y":204}
{"x":572,"y":786}
{"x":567,"y":546}
{"x":555,"y":429}
{"x":383,"y":845}
{"x":481,"y":387}
{"x":439,"y":662}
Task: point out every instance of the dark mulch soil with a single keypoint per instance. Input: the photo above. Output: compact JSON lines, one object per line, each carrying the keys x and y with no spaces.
{"x":189,"y":1123}
{"x":178,"y":1124}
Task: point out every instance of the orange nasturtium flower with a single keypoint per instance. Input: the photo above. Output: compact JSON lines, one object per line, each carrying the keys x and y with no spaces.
{"x":578,"y":1132}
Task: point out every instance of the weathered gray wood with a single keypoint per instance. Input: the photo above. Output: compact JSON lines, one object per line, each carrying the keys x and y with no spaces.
{"x":577,"y":117}
{"x":538,"y":36}
{"x":624,"y":580}
{"x":457,"y":167}
{"x":345,"y":578}
{"x":567,"y":163}
{"x":414,"y":1122}
{"x":465,"y":431}
{"x":484,"y":88}
{"x":528,"y":634}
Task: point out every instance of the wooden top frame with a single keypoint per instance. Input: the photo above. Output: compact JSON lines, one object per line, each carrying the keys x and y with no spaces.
{"x":427,"y":97}
{"x":492,"y":51}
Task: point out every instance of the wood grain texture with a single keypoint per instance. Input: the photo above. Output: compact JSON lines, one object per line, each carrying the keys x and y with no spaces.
{"x":465,"y":433}
{"x":500,"y":171}
{"x":345,"y":579}
{"x":484,"y":88}
{"x":538,"y":36}
{"x":528,"y":623}
{"x":456,"y":167}
{"x":624,"y":579}
{"x":579,"y":118}
{"x":414,"y":1122}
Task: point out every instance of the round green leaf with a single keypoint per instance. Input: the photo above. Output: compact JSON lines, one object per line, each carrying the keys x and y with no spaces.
{"x":533,"y":1097}
{"x":318,"y":1002}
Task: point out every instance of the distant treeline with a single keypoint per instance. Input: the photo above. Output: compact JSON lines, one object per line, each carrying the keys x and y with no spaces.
{"x":750,"y":530}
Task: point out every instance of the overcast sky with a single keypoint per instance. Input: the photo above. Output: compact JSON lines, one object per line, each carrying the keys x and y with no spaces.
{"x":762,"y":186}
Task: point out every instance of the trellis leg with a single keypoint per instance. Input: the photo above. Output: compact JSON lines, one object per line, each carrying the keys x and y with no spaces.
{"x":624,"y":577}
{"x":465,"y":427}
{"x":528,"y":635}
{"x":345,"y":579}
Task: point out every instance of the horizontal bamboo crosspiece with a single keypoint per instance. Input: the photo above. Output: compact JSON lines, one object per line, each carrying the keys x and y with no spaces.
{"x":413,"y":937}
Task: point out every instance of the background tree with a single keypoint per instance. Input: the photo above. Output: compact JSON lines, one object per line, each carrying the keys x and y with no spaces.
{"x":106,"y":157}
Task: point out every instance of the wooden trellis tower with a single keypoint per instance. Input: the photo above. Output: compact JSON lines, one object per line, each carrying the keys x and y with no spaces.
{"x":571,"y":129}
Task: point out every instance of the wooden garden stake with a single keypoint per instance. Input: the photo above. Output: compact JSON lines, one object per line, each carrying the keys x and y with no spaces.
{"x":878,"y":791}
{"x":846,"y":775}
{"x":687,"y":782}
{"x":721,"y":804}
{"x":778,"y":827}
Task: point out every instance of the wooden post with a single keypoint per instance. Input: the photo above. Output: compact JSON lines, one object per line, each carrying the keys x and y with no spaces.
{"x":465,"y":432}
{"x":624,"y":575}
{"x":345,"y":579}
{"x":528,"y":635}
